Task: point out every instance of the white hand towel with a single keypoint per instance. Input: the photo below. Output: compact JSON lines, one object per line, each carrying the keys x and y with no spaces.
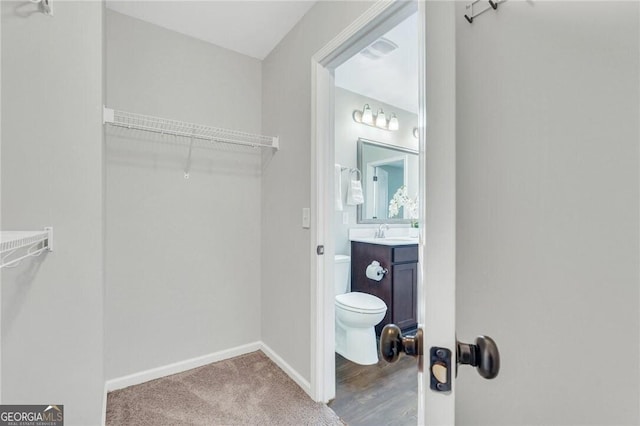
{"x":354,"y":193}
{"x":338,"y":187}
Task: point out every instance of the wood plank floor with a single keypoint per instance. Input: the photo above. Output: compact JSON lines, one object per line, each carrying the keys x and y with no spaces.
{"x":381,"y":394}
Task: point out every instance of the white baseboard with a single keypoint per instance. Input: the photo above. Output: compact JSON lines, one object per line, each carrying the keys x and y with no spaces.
{"x":291,"y":372}
{"x":179,"y":367}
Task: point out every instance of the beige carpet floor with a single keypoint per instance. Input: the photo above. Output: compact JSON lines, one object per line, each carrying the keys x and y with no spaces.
{"x":247,"y":390}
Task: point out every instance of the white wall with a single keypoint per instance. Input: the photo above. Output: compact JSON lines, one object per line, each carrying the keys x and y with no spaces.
{"x":286,"y":101}
{"x":52,"y":166}
{"x":547,"y":232}
{"x":347,"y":133}
{"x":183,"y":256}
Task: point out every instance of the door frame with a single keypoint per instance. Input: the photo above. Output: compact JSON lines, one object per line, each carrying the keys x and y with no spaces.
{"x":437,"y":170}
{"x":377,"y":20}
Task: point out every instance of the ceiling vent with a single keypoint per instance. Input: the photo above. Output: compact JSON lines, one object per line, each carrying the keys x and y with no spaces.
{"x":379,"y":48}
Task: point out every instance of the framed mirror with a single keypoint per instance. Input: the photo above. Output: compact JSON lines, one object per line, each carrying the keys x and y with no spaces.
{"x":389,"y":175}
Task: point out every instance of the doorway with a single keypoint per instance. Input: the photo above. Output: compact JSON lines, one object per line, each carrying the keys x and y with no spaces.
{"x":378,"y":72}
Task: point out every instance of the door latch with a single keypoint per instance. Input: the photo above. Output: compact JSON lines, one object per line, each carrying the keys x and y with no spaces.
{"x":320,"y":250}
{"x":440,"y":369}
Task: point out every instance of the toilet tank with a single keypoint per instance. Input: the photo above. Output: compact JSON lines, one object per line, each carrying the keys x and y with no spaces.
{"x":341,"y":270}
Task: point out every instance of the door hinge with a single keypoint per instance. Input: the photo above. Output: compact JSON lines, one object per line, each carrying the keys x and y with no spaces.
{"x":320,"y":250}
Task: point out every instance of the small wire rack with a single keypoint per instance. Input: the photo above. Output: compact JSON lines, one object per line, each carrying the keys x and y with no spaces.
{"x":471,"y":14}
{"x":201,"y":132}
{"x":24,"y":244}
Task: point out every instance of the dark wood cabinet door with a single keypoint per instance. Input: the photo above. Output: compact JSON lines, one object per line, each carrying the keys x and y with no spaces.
{"x":405,"y":293}
{"x":398,"y":289}
{"x":362,"y":254}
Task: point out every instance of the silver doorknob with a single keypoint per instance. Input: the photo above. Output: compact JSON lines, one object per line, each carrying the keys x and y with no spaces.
{"x":483,"y":355}
{"x":393,"y":343}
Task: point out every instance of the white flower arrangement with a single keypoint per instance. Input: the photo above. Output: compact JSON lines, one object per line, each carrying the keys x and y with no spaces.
{"x":401,"y":199}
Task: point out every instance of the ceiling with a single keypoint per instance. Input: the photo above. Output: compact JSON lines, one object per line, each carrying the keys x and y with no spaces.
{"x":252,"y":28}
{"x":392,"y":79}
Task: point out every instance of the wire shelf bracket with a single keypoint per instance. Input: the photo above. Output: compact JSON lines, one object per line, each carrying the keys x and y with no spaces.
{"x":16,"y":246}
{"x":193,"y":131}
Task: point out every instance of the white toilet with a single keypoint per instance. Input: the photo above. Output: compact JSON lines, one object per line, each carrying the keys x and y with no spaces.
{"x":356,"y":316}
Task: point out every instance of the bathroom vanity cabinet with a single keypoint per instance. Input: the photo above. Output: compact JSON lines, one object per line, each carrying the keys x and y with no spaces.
{"x":398,"y":288}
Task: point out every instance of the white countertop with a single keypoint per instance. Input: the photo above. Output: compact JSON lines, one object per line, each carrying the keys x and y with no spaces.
{"x":394,"y":236}
{"x":388,"y":241}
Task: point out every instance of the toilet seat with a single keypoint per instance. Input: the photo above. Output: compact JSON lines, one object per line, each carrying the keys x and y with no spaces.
{"x":360,"y":302}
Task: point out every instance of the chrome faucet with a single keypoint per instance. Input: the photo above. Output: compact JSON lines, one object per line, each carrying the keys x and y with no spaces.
{"x":381,"y":230}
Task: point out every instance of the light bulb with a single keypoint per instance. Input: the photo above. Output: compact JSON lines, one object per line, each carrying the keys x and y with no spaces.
{"x":367,"y":115}
{"x":393,"y":122}
{"x":381,"y":120}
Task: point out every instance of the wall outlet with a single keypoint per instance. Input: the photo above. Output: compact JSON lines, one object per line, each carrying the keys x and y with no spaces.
{"x":306,"y":218}
{"x":345,"y":218}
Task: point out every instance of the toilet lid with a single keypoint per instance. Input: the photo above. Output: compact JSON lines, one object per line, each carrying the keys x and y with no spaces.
{"x":360,"y":302}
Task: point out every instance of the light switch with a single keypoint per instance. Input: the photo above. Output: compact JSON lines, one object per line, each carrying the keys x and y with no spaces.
{"x":306,"y":217}
{"x":345,"y":218}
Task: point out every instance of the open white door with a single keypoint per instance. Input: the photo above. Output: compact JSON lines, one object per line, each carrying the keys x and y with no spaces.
{"x":436,"y":339}
{"x":436,"y":288}
{"x":437,"y":193}
{"x":436,"y":312}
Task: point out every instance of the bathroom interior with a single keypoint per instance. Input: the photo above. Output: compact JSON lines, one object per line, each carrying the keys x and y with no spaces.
{"x":375,"y":224}
{"x":166,"y":253}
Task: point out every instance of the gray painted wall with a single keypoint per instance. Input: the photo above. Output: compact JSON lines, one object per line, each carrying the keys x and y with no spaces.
{"x":547,"y":232}
{"x":0,"y":199}
{"x":183,"y":256}
{"x":52,"y":165}
{"x":346,"y":139}
{"x":286,"y":111}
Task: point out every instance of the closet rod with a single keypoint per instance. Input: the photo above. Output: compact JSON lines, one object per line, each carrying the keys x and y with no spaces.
{"x":165,"y":126}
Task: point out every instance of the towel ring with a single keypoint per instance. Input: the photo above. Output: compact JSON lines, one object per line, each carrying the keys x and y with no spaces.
{"x":352,"y":171}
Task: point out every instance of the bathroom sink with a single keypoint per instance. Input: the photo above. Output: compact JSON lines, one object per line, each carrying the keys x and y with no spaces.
{"x":388,"y":241}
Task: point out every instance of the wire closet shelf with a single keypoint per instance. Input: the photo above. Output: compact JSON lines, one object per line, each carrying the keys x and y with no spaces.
{"x":201,"y":132}
{"x":24,"y":244}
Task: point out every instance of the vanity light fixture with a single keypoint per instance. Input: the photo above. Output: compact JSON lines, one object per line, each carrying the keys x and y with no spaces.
{"x":367,"y":115}
{"x":393,"y":123}
{"x":379,"y":120}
